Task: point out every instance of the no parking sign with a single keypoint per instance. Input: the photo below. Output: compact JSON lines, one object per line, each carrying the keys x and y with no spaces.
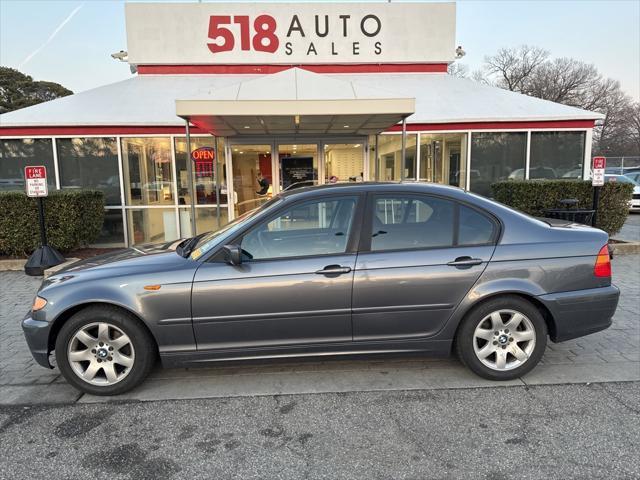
{"x":36,"y":181}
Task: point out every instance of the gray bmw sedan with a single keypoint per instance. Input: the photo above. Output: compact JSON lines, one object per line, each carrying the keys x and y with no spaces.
{"x":355,"y":268}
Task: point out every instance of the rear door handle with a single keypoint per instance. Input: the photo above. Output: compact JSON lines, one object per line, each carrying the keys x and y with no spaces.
{"x":465,"y":262}
{"x":334,"y":270}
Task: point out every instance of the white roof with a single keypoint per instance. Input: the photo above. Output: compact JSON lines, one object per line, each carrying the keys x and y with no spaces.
{"x":149,"y":100}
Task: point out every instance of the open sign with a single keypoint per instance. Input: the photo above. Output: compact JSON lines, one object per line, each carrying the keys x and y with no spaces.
{"x":203,"y":159}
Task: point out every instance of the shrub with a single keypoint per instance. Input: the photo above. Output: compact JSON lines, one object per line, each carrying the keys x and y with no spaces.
{"x":73,"y":218}
{"x":534,"y":196}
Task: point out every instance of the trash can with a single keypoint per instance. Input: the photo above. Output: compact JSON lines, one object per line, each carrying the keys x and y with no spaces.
{"x":570,"y":213}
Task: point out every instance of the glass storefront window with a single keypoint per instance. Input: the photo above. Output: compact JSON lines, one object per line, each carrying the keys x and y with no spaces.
{"x":19,"y":153}
{"x":204,"y":170}
{"x":90,"y":163}
{"x":390,"y":157}
{"x":206,"y":220}
{"x":151,"y":225}
{"x":344,"y":162}
{"x":556,"y":155}
{"x":495,"y":157}
{"x":112,"y":234}
{"x":148,"y":177}
{"x":443,"y":158}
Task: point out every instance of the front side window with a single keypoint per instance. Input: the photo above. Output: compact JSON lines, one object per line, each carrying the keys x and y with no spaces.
{"x":409,"y":222}
{"x":315,"y":227}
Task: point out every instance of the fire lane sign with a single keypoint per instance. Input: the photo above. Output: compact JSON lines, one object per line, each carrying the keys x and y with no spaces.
{"x":599,"y":164}
{"x":36,"y":181}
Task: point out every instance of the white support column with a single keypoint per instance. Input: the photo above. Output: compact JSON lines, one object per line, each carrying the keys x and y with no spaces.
{"x":467,"y":186}
{"x":175,"y":184}
{"x":586,"y":166}
{"x":418,"y":160}
{"x":365,"y":168}
{"x":527,"y":161}
{"x":122,"y":202}
{"x":229,"y":181}
{"x":56,"y":168}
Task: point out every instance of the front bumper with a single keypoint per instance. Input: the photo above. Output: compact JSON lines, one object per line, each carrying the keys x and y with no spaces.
{"x":36,"y":332}
{"x":580,"y":313}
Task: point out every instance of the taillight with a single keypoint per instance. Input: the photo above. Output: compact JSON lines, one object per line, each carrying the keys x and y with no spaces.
{"x":602,"y":267}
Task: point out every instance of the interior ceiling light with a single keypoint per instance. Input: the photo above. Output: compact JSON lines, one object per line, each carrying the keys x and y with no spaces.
{"x":247,"y":126}
{"x":345,"y":126}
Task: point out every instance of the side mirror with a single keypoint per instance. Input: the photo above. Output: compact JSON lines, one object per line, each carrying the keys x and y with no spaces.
{"x":232,"y":254}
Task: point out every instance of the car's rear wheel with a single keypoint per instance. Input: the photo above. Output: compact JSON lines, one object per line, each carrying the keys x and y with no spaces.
{"x":104,"y":350}
{"x":503,"y":338}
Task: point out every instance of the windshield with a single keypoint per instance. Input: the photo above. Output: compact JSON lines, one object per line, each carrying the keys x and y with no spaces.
{"x":209,"y":240}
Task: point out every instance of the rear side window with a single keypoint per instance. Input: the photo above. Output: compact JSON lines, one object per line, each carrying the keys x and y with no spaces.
{"x":475,"y":228}
{"x":409,"y":222}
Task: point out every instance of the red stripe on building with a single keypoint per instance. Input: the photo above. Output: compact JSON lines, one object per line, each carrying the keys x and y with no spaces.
{"x":416,"y":127}
{"x":98,"y":130}
{"x":316,"y":68}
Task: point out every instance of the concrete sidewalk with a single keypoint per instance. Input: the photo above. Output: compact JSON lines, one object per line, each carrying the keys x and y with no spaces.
{"x":611,"y":355}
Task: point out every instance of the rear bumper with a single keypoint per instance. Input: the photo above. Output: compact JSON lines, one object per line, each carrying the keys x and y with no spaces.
{"x":36,"y":333}
{"x":579,"y":313}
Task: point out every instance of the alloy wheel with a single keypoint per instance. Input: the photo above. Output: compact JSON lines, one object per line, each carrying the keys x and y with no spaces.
{"x":101,"y":354}
{"x":504,"y":340}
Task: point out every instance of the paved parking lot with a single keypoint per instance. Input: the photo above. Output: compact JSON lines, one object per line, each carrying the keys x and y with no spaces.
{"x":611,"y":355}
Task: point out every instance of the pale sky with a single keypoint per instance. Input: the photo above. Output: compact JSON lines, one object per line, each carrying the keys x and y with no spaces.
{"x":70,"y":41}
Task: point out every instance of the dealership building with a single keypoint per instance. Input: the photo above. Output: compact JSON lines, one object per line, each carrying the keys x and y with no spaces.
{"x":232,"y":103}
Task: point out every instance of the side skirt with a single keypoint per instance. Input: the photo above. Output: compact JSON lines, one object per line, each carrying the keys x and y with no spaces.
{"x":440,"y":348}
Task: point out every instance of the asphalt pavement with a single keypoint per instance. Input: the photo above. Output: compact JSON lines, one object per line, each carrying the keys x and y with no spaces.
{"x":541,"y":432}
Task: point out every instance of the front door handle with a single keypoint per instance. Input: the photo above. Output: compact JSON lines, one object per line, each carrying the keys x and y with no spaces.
{"x":334,"y":270}
{"x":465,"y":262}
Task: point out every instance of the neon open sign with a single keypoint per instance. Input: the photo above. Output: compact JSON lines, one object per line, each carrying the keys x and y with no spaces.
{"x":203,"y":159}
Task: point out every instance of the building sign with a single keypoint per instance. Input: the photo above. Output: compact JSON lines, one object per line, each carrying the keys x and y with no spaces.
{"x":599,"y":164}
{"x":36,"y":181}
{"x":203,"y":159}
{"x":289,"y":33}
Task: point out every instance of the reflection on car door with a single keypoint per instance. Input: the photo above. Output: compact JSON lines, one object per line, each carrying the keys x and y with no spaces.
{"x":294,"y":285}
{"x":418,"y":262}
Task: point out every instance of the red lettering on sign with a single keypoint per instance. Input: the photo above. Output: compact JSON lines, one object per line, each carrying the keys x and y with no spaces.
{"x":264,"y":39}
{"x":35,"y":172}
{"x":599,"y":162}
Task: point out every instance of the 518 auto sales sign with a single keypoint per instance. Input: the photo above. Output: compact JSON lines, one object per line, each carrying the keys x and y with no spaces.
{"x":289,"y":33}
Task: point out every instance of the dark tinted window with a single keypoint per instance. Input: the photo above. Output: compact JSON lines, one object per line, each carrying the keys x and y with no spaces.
{"x":316,"y":227}
{"x":475,"y":228}
{"x":406,"y":222}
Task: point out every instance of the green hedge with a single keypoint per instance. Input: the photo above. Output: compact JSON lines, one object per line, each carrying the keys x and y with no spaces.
{"x":534,"y":196}
{"x":74,"y":218}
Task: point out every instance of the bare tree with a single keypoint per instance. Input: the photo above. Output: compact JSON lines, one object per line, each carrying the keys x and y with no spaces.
{"x":458,"y":70}
{"x":513,"y":67}
{"x":529,"y":70}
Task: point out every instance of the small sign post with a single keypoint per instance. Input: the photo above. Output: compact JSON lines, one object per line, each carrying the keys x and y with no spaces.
{"x":597,"y":181}
{"x":45,"y":256}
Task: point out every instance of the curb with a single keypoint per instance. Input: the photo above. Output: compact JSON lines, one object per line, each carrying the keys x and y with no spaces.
{"x":627,"y":248}
{"x":17,"y":265}
{"x":12,"y":264}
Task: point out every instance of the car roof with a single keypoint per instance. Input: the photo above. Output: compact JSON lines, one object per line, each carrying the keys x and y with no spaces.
{"x":349,"y":187}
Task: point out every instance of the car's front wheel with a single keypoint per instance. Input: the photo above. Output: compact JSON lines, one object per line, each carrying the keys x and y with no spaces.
{"x":103,"y":350}
{"x":503,"y":338}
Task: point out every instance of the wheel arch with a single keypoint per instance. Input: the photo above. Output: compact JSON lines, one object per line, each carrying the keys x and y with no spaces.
{"x":71,"y":311}
{"x":527,"y":296}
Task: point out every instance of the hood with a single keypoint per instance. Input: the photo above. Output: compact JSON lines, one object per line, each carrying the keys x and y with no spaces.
{"x":138,"y":256}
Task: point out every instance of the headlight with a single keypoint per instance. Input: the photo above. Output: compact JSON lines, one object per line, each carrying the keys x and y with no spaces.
{"x":38,"y":304}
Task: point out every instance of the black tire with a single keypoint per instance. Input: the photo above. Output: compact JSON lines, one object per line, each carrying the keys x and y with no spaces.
{"x":143,"y":345}
{"x":464,"y":343}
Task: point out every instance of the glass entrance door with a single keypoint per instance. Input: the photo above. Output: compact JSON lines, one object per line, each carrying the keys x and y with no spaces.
{"x":298,"y":165}
{"x":252,"y":175}
{"x":344,"y":162}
